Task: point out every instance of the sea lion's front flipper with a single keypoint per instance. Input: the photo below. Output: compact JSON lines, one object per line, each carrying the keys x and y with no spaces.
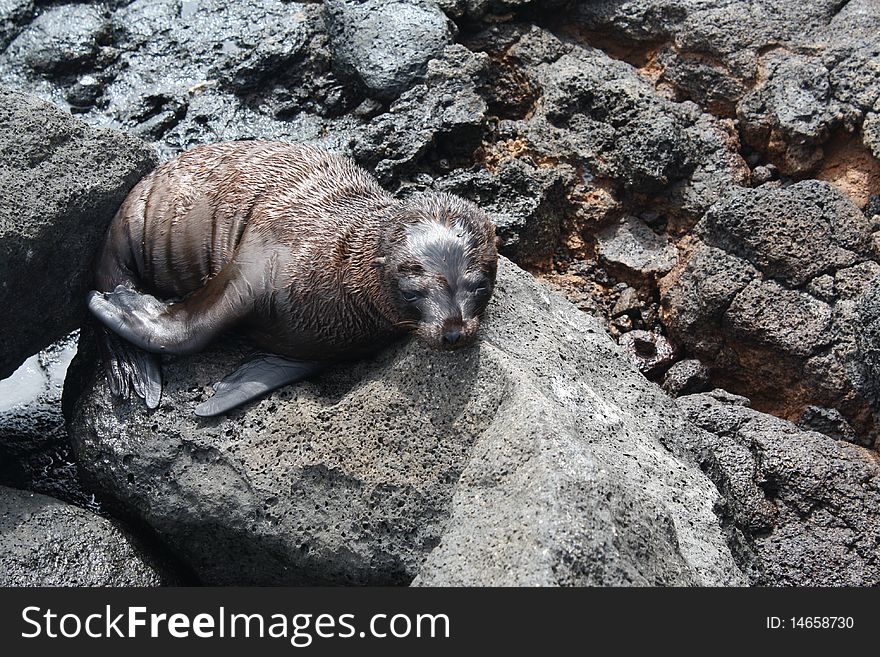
{"x":254,"y":378}
{"x":130,"y":369}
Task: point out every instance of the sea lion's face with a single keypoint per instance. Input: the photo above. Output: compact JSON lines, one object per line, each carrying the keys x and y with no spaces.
{"x":445,"y":272}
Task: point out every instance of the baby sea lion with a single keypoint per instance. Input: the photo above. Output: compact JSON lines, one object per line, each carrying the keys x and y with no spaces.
{"x":298,"y":248}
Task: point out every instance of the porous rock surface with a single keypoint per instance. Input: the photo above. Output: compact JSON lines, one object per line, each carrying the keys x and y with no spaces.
{"x":806,"y":504}
{"x":525,"y":460}
{"x":793,"y":73}
{"x":769,"y":289}
{"x":386,"y":45}
{"x":45,"y":542}
{"x":62,"y":182}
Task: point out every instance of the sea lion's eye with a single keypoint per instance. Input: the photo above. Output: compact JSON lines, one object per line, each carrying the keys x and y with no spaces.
{"x":411,"y":296}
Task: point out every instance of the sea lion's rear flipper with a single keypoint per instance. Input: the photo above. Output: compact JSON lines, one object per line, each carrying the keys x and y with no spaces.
{"x":130,"y":369}
{"x":254,"y":378}
{"x":176,"y":328}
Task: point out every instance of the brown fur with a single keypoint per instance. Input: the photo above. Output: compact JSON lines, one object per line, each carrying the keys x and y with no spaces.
{"x":298,"y":247}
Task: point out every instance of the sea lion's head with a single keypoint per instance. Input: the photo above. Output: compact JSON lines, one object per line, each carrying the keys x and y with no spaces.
{"x":440,"y":261}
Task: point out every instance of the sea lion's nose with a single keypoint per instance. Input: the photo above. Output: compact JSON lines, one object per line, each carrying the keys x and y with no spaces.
{"x":451,"y":337}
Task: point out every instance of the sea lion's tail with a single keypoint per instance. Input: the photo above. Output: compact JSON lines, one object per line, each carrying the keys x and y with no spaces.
{"x":130,"y":369}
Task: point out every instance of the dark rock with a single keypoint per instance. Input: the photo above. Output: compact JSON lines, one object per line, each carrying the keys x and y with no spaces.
{"x":386,"y":45}
{"x":871,"y":134}
{"x":44,"y":542}
{"x":505,"y":464}
{"x":792,"y":234}
{"x":599,"y":115}
{"x":806,"y":504}
{"x":867,"y":363}
{"x":647,"y":350}
{"x":853,"y":38}
{"x":761,"y":174}
{"x":35,"y":452}
{"x":797,"y":72}
{"x":739,"y":304}
{"x":686,"y":377}
{"x":527,"y":204}
{"x":696,"y":295}
{"x":84,"y":93}
{"x":789,"y":321}
{"x":442,"y":118}
{"x":627,"y":303}
{"x":288,"y":49}
{"x":62,"y":39}
{"x":630,"y":245}
{"x":623,"y":324}
{"x":264,"y":68}
{"x":729,"y":31}
{"x":872,"y":209}
{"x":792,"y":112}
{"x":822,"y":287}
{"x":725,"y":397}
{"x":701,"y":80}
{"x":62,"y":182}
{"x":13,"y":13}
{"x":590,"y":94}
{"x":478,"y":9}
{"x":828,"y":421}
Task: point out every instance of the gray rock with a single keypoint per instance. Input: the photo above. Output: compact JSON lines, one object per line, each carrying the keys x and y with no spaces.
{"x":527,"y":204}
{"x":789,"y":321}
{"x":442,"y":118}
{"x":537,"y":457}
{"x":792,"y":234}
{"x":686,"y":377}
{"x":828,"y":421}
{"x":806,"y":504}
{"x":62,"y":39}
{"x":631,"y":245}
{"x":44,"y":542}
{"x":62,"y":182}
{"x":386,"y":45}
{"x":13,"y":13}
{"x":647,"y":350}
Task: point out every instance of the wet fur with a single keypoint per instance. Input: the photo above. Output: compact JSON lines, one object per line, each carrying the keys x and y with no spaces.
{"x":297,"y":247}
